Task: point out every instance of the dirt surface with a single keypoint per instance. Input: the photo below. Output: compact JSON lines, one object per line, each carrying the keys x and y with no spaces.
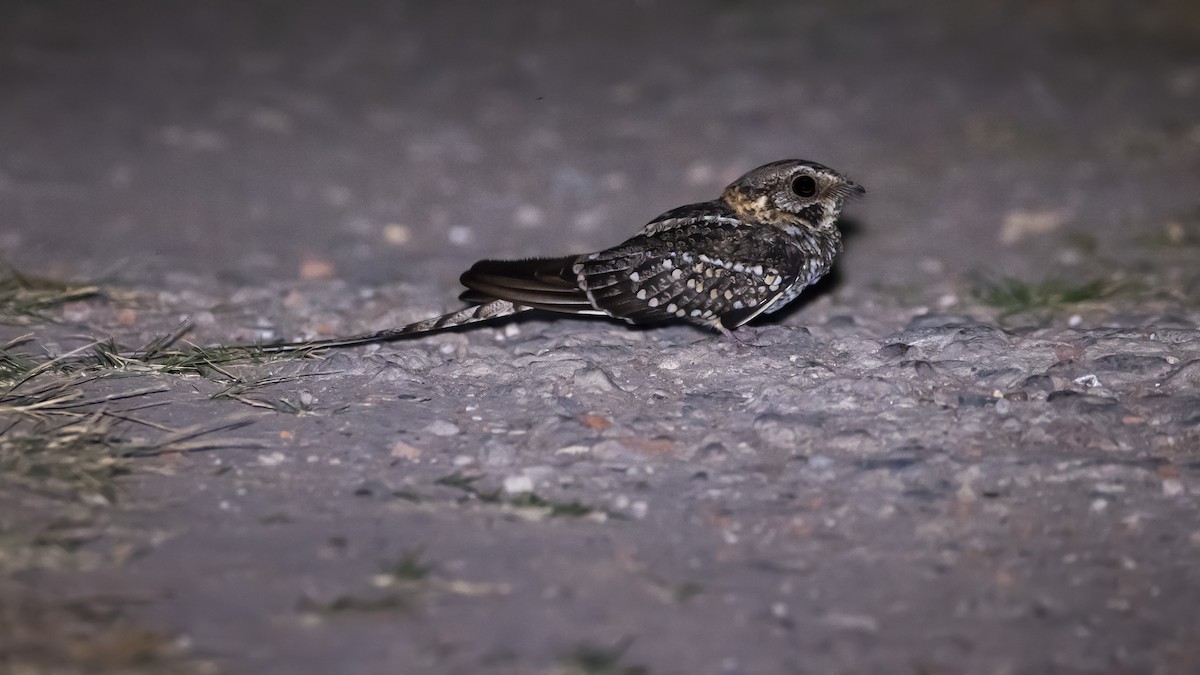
{"x":975,"y":449}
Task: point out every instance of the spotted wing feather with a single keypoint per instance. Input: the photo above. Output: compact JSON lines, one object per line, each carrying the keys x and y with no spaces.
{"x":707,"y":269}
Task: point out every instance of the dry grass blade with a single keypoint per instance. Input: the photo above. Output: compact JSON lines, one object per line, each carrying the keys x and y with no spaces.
{"x":190,"y":440}
{"x":160,"y":344}
{"x":74,"y":460}
{"x":24,"y":299}
{"x":64,"y":442}
{"x":62,"y":360}
{"x":238,"y":390}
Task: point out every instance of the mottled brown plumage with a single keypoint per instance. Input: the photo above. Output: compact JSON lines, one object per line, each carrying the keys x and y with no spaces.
{"x":719,"y":264}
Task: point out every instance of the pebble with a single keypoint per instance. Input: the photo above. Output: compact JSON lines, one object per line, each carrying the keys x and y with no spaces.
{"x":593,"y":381}
{"x":396,"y":234}
{"x":402,"y":450}
{"x":272,"y":459}
{"x":459,"y":235}
{"x":518,"y":484}
{"x":442,"y":428}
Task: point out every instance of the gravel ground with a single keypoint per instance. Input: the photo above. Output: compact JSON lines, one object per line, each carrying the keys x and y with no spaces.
{"x":975,"y":448}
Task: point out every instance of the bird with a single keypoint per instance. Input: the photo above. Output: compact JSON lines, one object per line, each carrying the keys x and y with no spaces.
{"x":717,"y":264}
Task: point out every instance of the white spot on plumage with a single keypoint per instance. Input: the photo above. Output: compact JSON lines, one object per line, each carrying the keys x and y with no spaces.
{"x":653,"y":302}
{"x":672,"y":307}
{"x":641,"y":295}
{"x":737,"y":304}
{"x":634,"y":276}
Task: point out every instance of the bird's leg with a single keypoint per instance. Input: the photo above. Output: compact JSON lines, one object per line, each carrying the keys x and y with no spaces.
{"x":735,"y":340}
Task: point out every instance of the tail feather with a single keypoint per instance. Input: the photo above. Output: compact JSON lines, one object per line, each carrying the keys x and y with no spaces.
{"x":497,"y":288}
{"x":481,"y":312}
{"x":540,"y":283}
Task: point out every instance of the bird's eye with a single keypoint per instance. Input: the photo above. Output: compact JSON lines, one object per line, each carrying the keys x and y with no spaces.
{"x":804,"y":186}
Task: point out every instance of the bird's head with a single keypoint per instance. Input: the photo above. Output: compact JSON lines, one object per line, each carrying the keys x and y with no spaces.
{"x":792,"y":192}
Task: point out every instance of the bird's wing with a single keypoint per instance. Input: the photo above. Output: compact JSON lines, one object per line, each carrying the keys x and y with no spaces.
{"x":541,"y":283}
{"x":702,"y":268}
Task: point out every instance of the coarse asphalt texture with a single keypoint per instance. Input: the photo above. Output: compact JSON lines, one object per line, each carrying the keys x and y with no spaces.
{"x":975,"y":448}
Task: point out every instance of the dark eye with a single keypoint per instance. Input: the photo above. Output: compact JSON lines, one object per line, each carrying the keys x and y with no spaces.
{"x":804,"y":186}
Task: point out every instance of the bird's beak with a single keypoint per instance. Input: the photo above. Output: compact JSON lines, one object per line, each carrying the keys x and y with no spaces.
{"x":851,"y":190}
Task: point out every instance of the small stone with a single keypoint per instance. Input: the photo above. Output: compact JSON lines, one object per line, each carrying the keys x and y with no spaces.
{"x":316,"y":268}
{"x":593,"y":380}
{"x":396,"y":234}
{"x":1021,"y":224}
{"x":595,"y":422}
{"x":857,"y":622}
{"x":459,"y":235}
{"x":1172,"y":487}
{"x":442,"y":428}
{"x":1185,"y":378}
{"x":529,"y":216}
{"x":402,"y":450}
{"x":820,"y":462}
{"x":272,"y":459}
{"x":775,"y":431}
{"x":518,"y":484}
{"x":573,"y":450}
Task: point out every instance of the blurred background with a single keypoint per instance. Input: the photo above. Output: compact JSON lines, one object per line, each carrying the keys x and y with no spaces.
{"x":381,"y":141}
